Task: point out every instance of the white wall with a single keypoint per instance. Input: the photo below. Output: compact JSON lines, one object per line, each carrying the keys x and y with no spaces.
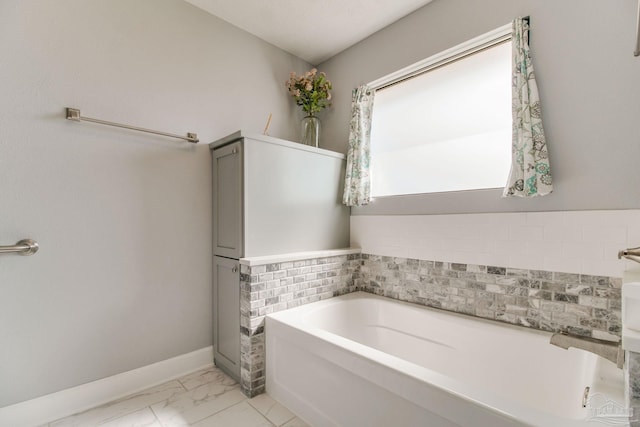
{"x":583,"y":242}
{"x":123,"y":275}
{"x":588,"y":79}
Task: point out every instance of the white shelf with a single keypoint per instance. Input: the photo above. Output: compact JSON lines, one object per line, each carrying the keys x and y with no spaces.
{"x":297,"y":256}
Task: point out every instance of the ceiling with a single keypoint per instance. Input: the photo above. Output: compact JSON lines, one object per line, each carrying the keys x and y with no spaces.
{"x":313,"y":30}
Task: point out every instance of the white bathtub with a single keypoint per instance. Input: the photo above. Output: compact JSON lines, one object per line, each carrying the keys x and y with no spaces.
{"x":364,"y":360}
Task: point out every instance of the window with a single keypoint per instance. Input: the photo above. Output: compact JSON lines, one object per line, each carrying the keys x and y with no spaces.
{"x":446,"y":129}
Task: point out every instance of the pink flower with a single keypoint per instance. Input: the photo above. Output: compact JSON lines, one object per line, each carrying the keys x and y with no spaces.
{"x":310,"y":90}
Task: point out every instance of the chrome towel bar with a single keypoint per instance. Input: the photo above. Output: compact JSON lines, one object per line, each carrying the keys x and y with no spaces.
{"x":23,"y":247}
{"x":74,"y":114}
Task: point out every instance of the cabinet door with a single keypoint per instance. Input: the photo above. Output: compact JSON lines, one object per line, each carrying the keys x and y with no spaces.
{"x":226,"y":315}
{"x":227,"y":201}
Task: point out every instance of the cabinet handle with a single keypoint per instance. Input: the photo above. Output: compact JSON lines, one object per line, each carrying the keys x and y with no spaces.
{"x":234,"y":269}
{"x":234,"y":151}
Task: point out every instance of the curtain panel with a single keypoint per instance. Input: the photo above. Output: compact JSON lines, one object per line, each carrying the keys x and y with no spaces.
{"x":530,"y":170}
{"x":357,"y":185}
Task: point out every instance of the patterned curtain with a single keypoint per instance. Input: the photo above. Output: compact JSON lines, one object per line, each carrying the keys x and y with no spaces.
{"x":530,"y":172}
{"x":357,"y":187}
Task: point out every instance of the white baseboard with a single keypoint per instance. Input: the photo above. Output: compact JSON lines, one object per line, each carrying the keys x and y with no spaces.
{"x":76,"y":399}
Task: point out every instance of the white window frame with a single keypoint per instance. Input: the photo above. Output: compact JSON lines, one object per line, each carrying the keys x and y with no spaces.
{"x":445,"y":57}
{"x":461,"y":182}
{"x":457,"y":202}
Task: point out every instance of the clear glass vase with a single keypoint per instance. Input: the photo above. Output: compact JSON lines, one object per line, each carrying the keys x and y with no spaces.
{"x":310,"y":130}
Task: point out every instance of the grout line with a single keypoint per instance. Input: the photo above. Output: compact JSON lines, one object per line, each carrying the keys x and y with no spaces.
{"x":156,"y":415}
{"x":263,"y":415}
{"x":222,"y":410}
{"x":275,"y":402}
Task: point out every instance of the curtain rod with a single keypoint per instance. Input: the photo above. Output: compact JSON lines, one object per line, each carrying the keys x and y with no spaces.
{"x":74,"y":114}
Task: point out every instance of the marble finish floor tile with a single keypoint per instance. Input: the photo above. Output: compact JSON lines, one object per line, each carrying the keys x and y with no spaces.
{"x":240,"y":415}
{"x":142,"y":418}
{"x":184,"y":409}
{"x":121,"y":407}
{"x":203,"y":398}
{"x":296,"y":422}
{"x":272,"y":410}
{"x":206,"y":376}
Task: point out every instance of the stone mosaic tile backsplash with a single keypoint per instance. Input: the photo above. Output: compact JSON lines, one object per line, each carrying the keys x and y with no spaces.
{"x":270,"y":288}
{"x":579,"y":304}
{"x":632,"y":376}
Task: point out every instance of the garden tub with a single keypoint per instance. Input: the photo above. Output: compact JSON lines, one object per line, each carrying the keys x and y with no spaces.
{"x":365,"y":360}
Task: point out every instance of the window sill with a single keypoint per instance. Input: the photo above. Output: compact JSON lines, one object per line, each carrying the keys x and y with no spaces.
{"x":455,"y":202}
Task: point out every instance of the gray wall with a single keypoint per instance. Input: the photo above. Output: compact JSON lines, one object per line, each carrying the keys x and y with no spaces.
{"x":589,"y":85}
{"x":123,"y":276}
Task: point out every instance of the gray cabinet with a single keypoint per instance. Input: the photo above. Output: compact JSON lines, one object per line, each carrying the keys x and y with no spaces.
{"x":228,"y":247}
{"x":226,"y":315}
{"x":227,"y":201}
{"x":270,"y":197}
